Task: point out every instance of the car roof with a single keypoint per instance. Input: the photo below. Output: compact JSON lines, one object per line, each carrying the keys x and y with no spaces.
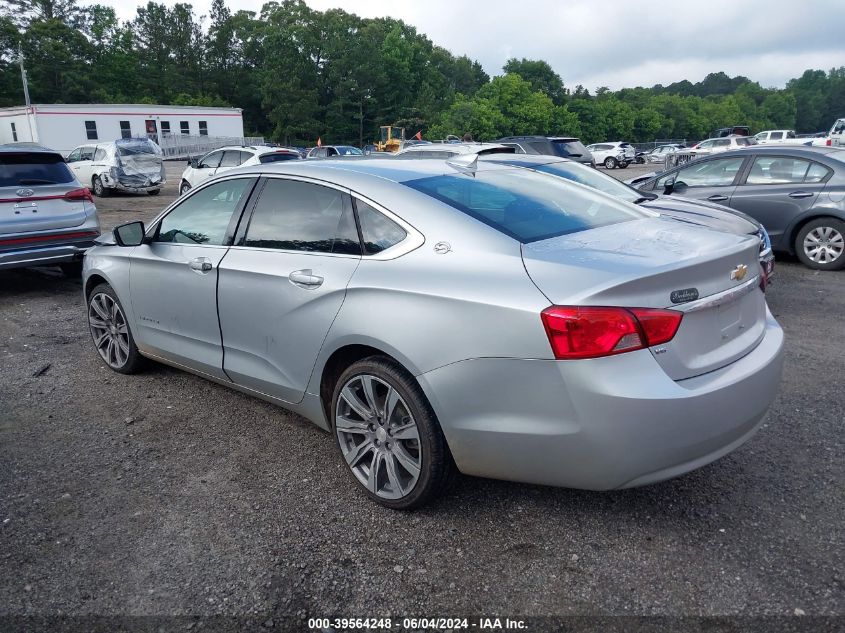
{"x":461,"y":148}
{"x":8,"y":148}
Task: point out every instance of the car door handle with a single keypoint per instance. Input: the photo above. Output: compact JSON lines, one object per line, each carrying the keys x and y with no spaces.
{"x":305,"y":279}
{"x":717,"y":198}
{"x":200,"y":265}
{"x":801,"y":194}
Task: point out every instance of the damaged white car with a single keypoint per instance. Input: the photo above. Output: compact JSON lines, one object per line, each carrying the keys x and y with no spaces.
{"x":129,"y":164}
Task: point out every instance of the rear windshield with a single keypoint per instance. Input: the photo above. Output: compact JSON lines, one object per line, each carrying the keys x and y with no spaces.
{"x":33,"y":169}
{"x":569,"y":148}
{"x":525,"y":205}
{"x":130,"y":148}
{"x":276,"y":157}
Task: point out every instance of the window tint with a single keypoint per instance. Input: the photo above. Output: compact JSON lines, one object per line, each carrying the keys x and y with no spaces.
{"x":526,"y":205}
{"x":379,"y":231}
{"x":722,"y":142}
{"x":743,"y":141}
{"x":569,"y":148}
{"x":778,"y":170}
{"x":211,"y":161}
{"x":125,"y":130}
{"x":33,"y":169}
{"x":711,"y":173}
{"x":204,"y":216}
{"x":231,"y":158}
{"x":91,"y":130}
{"x":276,"y":157}
{"x":299,"y":216}
{"x":816,"y":173}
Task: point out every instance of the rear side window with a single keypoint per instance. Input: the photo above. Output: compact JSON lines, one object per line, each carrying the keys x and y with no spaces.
{"x":379,"y":231}
{"x":776,"y":135}
{"x":231,"y":158}
{"x":100,"y":155}
{"x":743,"y":141}
{"x":526,"y":205}
{"x":33,"y":169}
{"x":782,"y":170}
{"x":300,"y":216}
{"x":569,"y":148}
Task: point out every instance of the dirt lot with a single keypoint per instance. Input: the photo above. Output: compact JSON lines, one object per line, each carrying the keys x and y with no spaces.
{"x":165,"y":494}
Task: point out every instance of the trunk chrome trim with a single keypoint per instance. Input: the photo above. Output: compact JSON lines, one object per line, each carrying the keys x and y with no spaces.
{"x":718,"y":299}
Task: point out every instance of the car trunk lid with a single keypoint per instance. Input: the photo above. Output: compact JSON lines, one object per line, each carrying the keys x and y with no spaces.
{"x":46,"y":208}
{"x":709,"y":275}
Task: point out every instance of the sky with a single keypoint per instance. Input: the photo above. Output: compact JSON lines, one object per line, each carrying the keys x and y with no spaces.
{"x":615,"y":43}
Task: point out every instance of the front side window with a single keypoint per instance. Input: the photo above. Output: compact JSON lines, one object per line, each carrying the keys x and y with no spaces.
{"x":74,"y":155}
{"x":379,"y":231}
{"x":782,"y":170}
{"x":91,"y":130}
{"x":210,"y":161}
{"x":203,"y":218}
{"x":722,"y":142}
{"x":299,"y":216}
{"x":125,"y":129}
{"x":526,"y":205}
{"x":711,"y":173}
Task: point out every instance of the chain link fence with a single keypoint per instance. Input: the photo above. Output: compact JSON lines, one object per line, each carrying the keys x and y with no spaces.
{"x":191,"y":145}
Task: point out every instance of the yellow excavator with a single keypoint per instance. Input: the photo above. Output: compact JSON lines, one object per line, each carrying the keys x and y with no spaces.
{"x":390,"y":138}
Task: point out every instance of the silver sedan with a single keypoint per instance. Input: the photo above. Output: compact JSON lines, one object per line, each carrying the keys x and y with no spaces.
{"x":443,"y":316}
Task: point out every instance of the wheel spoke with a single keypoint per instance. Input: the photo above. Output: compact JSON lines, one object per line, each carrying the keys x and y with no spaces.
{"x":408,"y":463}
{"x":372,"y":476}
{"x":393,"y":476}
{"x":355,"y":454}
{"x":95,"y":303}
{"x":102,"y":338}
{"x":347,"y":425}
{"x":406,"y":432}
{"x":369,"y":394}
{"x":390,"y":403}
{"x":97,"y":323}
{"x":352,"y":399}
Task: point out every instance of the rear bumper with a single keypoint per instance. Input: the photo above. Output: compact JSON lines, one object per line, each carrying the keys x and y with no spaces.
{"x":599,"y":424}
{"x":44,"y":254}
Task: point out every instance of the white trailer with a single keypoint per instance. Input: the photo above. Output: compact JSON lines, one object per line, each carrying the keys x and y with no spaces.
{"x":64,"y":126}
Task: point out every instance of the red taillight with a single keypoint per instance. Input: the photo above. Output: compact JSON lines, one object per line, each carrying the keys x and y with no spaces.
{"x":79,"y":195}
{"x":829,"y":142}
{"x":590,"y":332}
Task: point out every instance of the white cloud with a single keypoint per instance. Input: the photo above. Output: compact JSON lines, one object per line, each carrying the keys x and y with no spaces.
{"x":617,"y":43}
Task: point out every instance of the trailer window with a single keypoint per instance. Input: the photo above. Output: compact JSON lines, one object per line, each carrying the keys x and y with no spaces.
{"x":184,"y":127}
{"x":203,"y":128}
{"x":125,"y":130}
{"x":91,"y":130}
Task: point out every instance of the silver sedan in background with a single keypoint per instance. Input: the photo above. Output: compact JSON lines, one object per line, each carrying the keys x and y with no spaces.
{"x":442,"y":316}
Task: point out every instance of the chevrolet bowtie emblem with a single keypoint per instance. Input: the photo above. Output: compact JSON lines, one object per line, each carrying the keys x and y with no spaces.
{"x":739,"y":273}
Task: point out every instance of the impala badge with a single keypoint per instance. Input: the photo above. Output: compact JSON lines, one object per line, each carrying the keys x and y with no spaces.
{"x":739,"y":273}
{"x":24,"y":193}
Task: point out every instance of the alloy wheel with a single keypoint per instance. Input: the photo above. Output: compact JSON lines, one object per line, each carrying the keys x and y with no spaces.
{"x":378,"y":436}
{"x":109,"y":329}
{"x":824,"y":245}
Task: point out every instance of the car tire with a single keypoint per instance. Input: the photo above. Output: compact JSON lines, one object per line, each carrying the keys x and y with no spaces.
{"x":820,"y":244}
{"x":73,"y":270}
{"x":623,"y":165}
{"x":399,"y":472}
{"x":184,"y":188}
{"x":610,"y":162}
{"x":153,"y":192}
{"x":116,"y":347}
{"x":98,"y":188}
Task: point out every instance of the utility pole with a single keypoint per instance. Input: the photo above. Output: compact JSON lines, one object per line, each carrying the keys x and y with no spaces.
{"x":25,"y":92}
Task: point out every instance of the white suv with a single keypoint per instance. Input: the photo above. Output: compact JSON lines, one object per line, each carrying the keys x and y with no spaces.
{"x":613,"y":154}
{"x":716,"y":145}
{"x":227,"y":158}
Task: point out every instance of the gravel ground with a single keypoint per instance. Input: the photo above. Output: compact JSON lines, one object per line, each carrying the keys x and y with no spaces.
{"x":166,"y":494}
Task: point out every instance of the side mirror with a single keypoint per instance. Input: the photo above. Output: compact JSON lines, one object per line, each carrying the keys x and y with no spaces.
{"x":669,"y":187}
{"x":130,"y":234}
{"x":193,"y":162}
